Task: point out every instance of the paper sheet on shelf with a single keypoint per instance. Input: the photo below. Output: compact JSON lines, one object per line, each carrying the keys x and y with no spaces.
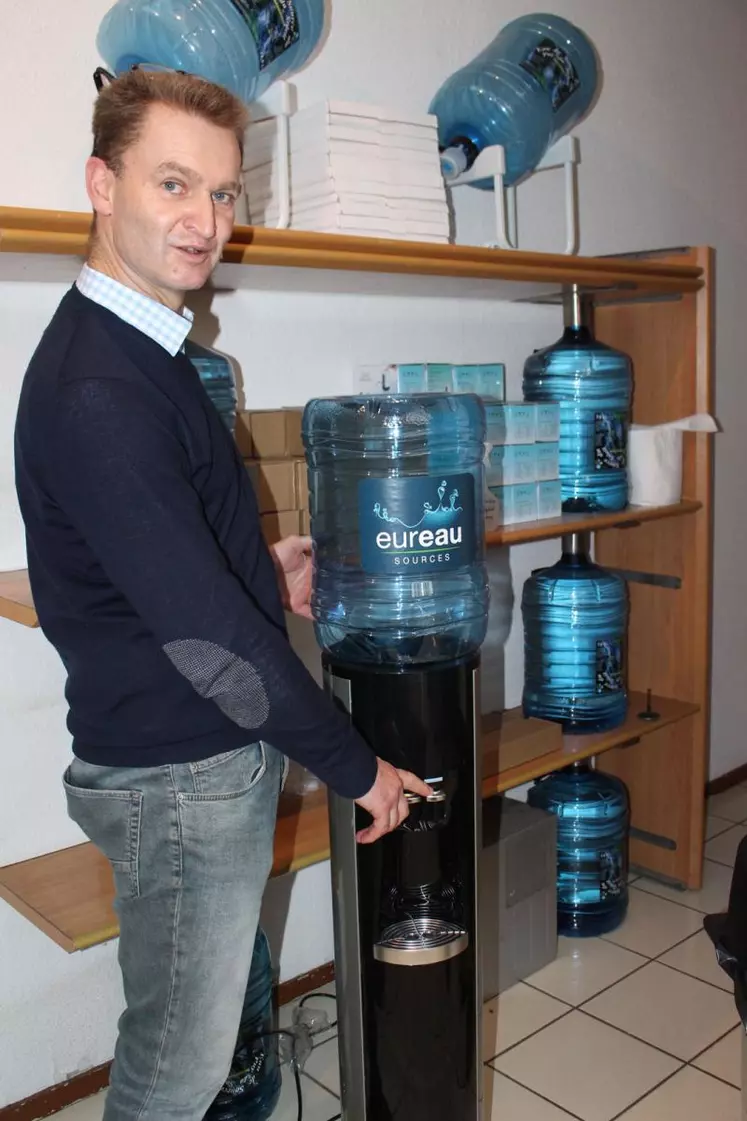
{"x":655,"y":459}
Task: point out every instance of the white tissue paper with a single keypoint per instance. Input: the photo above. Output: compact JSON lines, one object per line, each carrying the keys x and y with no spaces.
{"x":655,"y":459}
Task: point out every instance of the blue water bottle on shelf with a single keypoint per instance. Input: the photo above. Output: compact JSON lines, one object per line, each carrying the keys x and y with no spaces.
{"x":575,"y":617}
{"x":593,"y":816}
{"x":219,"y":381}
{"x":244,"y":45}
{"x":528,"y":88}
{"x":593,"y":384}
{"x":396,"y":494}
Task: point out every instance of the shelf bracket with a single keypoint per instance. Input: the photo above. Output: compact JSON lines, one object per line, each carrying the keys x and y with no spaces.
{"x":491,"y":164}
{"x":654,"y":578}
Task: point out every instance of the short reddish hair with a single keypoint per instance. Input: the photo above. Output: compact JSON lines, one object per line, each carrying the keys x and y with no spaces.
{"x":121,"y":108}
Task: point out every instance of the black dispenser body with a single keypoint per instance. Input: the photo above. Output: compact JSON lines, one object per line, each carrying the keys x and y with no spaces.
{"x":407,"y":959}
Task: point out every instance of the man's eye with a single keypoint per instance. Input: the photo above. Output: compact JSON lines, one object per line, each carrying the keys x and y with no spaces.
{"x":224,"y":197}
{"x":172,"y":186}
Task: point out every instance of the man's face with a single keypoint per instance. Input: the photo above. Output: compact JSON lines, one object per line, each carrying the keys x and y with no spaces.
{"x":171,"y":208}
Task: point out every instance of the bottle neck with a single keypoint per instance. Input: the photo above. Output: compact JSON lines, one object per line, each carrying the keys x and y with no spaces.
{"x":574,"y":316}
{"x":576,"y":548}
{"x":458,"y":157}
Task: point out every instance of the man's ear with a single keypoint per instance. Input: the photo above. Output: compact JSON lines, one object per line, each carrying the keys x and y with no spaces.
{"x":100,"y":185}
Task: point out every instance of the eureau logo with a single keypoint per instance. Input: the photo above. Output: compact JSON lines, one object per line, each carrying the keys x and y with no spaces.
{"x":417,"y":522}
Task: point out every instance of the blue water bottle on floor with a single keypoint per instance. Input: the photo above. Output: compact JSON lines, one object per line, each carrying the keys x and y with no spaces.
{"x":593,"y":384}
{"x":244,"y":45}
{"x":575,"y":617}
{"x":396,"y":486}
{"x":218,"y":379}
{"x":593,"y":817}
{"x":528,"y":88}
{"x":252,"y":1089}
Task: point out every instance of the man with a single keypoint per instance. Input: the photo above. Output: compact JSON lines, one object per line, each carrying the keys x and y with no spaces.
{"x":151,"y":578}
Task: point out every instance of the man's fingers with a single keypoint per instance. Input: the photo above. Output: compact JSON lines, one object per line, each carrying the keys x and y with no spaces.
{"x":414,"y":784}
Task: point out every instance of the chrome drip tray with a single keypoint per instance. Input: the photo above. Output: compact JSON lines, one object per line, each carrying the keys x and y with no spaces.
{"x":421,"y":940}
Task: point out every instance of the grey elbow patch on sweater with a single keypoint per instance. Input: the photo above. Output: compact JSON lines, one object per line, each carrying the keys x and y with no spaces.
{"x":218,"y":675}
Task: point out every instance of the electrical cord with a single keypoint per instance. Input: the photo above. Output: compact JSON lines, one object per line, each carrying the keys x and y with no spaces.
{"x":292,"y":1035}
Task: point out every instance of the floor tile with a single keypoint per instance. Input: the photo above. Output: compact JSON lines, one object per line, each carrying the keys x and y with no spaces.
{"x":724,"y":1059}
{"x":723,"y":848}
{"x":715,"y":825}
{"x":508,"y":1101}
{"x":653,"y":925}
{"x":712,"y":898}
{"x":688,"y":1096}
{"x":316,"y":1007}
{"x":586,"y":1067}
{"x":731,"y":804}
{"x":658,"y":1005}
{"x":323,"y":1066}
{"x":90,"y":1109}
{"x":697,"y":957}
{"x":514,"y":1015}
{"x":583,"y":967}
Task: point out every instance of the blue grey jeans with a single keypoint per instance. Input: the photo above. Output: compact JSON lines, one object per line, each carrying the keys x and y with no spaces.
{"x":191,"y":848}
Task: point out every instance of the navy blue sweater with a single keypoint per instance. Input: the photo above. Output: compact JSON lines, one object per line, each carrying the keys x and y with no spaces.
{"x":147,"y":565}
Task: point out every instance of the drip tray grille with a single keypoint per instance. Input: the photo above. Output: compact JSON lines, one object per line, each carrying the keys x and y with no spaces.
{"x":421,"y":940}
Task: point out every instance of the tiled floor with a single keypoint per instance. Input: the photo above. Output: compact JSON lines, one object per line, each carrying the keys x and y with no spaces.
{"x":637,"y":1026}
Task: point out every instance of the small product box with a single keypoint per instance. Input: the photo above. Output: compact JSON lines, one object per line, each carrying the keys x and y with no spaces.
{"x":547,"y":419}
{"x":549,"y":499}
{"x":547,"y":460}
{"x":491,"y":380}
{"x":277,"y":525}
{"x":508,"y":464}
{"x":440,"y":378}
{"x":466,"y":379}
{"x":510,"y":422}
{"x":412,"y":378}
{"x":514,"y":504}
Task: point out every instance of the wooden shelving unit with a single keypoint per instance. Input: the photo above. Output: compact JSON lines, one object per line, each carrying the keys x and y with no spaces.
{"x":15,"y":593}
{"x":665,"y":552}
{"x":69,"y":894}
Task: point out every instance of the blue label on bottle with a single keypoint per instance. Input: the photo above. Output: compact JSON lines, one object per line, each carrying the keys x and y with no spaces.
{"x":424,"y":523}
{"x":609,"y":674}
{"x":273,"y":24}
{"x":550,"y":65}
{"x":610,"y":442}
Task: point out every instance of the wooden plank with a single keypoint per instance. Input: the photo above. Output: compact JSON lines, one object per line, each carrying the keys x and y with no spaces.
{"x":669,"y":644}
{"x":579,"y":523}
{"x":69,"y":894}
{"x":15,"y":594}
{"x":58,"y":232}
{"x":15,"y":598}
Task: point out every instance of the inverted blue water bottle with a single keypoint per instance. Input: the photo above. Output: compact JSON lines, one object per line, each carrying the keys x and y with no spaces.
{"x":218,"y":379}
{"x":244,"y":45}
{"x":528,"y":88}
{"x":396,"y":497}
{"x":593,"y":384}
{"x":252,"y":1089}
{"x":593,"y":816}
{"x":575,"y":617}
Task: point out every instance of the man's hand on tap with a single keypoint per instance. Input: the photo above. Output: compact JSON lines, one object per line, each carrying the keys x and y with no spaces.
{"x":386,"y":800}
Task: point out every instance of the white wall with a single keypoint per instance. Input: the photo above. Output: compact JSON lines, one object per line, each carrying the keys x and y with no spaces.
{"x":662,"y":167}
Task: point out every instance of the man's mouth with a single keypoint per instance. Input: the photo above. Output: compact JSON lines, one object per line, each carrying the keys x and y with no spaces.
{"x":193,"y":251}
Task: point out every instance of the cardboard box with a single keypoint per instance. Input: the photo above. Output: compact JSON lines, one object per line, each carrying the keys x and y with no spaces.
{"x":274,"y":482}
{"x":243,"y":436}
{"x":305,"y":523}
{"x":278,"y":525}
{"x":302,"y":484}
{"x":274,"y":433}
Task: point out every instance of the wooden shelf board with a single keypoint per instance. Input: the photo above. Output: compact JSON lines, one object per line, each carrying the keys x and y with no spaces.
{"x":26,"y":232}
{"x":15,"y":594}
{"x":15,"y":598}
{"x":574,"y":749}
{"x":68,"y":894}
{"x":543,"y":530}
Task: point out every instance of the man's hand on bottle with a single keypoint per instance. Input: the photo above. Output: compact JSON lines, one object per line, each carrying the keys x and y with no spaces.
{"x":386,"y":800}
